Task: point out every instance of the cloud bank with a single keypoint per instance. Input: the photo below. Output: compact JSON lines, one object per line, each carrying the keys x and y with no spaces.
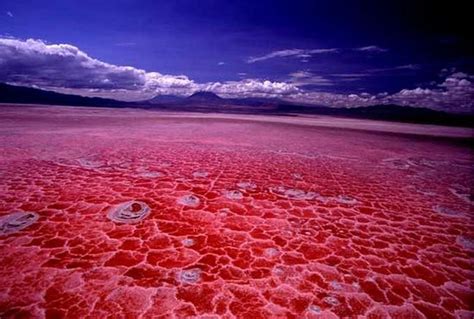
{"x":57,"y":66}
{"x":455,"y":93}
{"x":65,"y":68}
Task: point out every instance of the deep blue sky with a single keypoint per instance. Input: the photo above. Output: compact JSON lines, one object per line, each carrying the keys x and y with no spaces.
{"x":418,"y":38}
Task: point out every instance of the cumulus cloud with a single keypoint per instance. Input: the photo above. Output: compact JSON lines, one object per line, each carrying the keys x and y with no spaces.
{"x":371,"y":48}
{"x":461,"y":75}
{"x":334,"y":99}
{"x":251,"y":87}
{"x":298,"y":53}
{"x":34,"y":62}
{"x":455,"y":93}
{"x":65,"y":68}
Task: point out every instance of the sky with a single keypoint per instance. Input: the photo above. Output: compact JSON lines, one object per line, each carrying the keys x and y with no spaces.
{"x":338,"y":53}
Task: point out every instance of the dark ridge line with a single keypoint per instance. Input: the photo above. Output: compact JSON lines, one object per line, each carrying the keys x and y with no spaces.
{"x":208,"y":102}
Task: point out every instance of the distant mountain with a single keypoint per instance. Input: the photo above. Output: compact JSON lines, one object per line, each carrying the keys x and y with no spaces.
{"x":257,"y":101}
{"x":197,"y":97}
{"x":386,"y":112}
{"x":203,"y":101}
{"x":26,"y":95}
{"x":204,"y":96}
{"x":159,"y":99}
{"x":406,"y":114}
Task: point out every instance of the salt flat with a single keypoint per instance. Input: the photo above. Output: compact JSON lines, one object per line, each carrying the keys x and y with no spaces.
{"x":127,"y":213}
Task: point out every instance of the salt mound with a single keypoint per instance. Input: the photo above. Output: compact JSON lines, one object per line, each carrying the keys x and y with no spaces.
{"x":234,"y":194}
{"x":187,"y":242}
{"x":129,"y":212}
{"x":17,"y":221}
{"x":344,"y":199}
{"x":292,"y":193}
{"x":331,"y":300}
{"x":190,"y":276}
{"x":250,"y":186}
{"x":314,"y":309}
{"x":189,"y":200}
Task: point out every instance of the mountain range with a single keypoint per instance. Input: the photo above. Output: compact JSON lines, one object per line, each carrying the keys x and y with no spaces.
{"x":209,"y":102}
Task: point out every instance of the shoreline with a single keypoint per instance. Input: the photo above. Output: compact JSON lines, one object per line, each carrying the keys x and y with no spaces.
{"x":322,"y":121}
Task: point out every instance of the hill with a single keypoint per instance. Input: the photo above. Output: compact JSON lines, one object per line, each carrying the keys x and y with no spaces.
{"x":27,"y":95}
{"x":203,"y":101}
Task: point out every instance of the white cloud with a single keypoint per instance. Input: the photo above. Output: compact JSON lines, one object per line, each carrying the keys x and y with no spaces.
{"x":65,"y":68}
{"x":9,"y":14}
{"x":57,"y":66}
{"x":221,"y":63}
{"x":371,"y":48}
{"x":304,"y":54}
{"x":350,"y":75}
{"x":251,"y":87}
{"x":456,"y":93}
{"x":334,"y":99}
{"x":461,"y":75}
{"x":302,"y":78}
{"x":298,"y":53}
{"x":396,"y":68}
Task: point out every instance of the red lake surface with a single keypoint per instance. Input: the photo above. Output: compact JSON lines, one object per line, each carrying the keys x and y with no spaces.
{"x":110,"y":213}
